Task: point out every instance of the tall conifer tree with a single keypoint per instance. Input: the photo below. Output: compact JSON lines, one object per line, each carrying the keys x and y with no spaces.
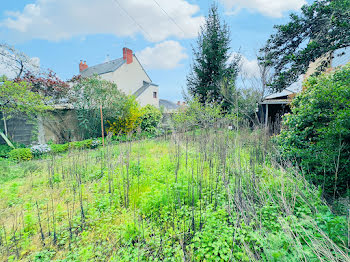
{"x":211,"y":64}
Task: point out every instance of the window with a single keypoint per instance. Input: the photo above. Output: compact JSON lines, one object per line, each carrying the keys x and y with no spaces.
{"x":154,"y":94}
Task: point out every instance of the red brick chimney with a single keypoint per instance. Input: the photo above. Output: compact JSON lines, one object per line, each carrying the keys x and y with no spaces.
{"x":127,"y":55}
{"x":82,"y":66}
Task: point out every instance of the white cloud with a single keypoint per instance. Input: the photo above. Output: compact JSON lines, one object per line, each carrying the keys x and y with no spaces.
{"x":248,"y":68}
{"x":62,"y":19}
{"x":272,"y":8}
{"x":165,"y":55}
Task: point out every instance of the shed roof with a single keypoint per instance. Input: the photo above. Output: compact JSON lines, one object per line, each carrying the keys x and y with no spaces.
{"x":294,"y":88}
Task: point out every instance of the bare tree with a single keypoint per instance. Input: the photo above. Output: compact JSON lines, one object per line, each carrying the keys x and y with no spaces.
{"x":259,"y":81}
{"x":16,"y":61}
{"x":265,"y":77}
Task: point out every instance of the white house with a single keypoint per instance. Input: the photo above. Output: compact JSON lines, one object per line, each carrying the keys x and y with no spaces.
{"x":129,"y":75}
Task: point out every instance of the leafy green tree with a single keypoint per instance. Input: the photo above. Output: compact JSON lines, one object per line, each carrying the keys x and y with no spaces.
{"x":321,"y":28}
{"x":317,"y":133}
{"x":211,"y":61}
{"x":87,"y":96}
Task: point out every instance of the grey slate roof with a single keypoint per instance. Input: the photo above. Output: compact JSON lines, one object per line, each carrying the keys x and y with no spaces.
{"x":103,"y":68}
{"x":167,"y":104}
{"x":142,"y":89}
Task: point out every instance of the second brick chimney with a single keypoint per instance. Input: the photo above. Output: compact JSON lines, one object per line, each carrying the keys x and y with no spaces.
{"x":127,"y":55}
{"x":82,"y":66}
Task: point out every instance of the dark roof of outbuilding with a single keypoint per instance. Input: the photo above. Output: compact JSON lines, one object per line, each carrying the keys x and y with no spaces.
{"x":103,"y":68}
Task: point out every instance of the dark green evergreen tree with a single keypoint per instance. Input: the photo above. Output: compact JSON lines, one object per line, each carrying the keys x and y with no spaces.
{"x":211,"y":63}
{"x":321,"y":28}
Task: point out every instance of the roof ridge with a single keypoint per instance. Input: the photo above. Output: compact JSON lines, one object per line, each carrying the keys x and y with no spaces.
{"x":108,"y":62}
{"x":103,"y":68}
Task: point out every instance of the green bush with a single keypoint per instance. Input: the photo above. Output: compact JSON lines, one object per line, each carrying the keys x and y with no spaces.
{"x":150,"y":118}
{"x":21,"y":154}
{"x":316,"y":135}
{"x":81,"y":144}
{"x":59,"y":148}
{"x":4,"y":150}
{"x":128,"y":119}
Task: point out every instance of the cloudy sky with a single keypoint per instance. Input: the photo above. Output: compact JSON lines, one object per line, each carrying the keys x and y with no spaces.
{"x":60,"y":33}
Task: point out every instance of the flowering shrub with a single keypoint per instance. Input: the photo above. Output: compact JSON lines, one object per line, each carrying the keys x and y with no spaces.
{"x":38,"y":150}
{"x":128,"y":120}
{"x":95,"y":143}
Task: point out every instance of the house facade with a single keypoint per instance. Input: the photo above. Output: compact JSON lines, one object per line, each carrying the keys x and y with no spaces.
{"x":129,"y":75}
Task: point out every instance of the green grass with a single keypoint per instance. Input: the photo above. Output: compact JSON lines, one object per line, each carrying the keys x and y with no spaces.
{"x":209,"y":196}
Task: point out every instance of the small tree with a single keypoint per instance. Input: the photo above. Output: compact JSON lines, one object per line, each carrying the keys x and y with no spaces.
{"x":317,"y":133}
{"x":211,"y":61}
{"x":87,"y":95}
{"x":197,"y":115}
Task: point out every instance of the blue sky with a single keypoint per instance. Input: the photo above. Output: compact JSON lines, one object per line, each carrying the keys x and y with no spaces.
{"x":62,"y":32}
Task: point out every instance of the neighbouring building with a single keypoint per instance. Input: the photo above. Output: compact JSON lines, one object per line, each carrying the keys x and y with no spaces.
{"x":168,"y":106}
{"x":129,"y":75}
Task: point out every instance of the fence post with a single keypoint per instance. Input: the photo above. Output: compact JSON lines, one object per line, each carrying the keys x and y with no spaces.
{"x":103,"y":134}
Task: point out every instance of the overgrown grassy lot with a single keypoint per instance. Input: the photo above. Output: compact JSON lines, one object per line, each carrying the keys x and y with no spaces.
{"x":210,"y":196}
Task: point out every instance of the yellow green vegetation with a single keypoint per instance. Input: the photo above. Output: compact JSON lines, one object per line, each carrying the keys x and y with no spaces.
{"x":209,"y":196}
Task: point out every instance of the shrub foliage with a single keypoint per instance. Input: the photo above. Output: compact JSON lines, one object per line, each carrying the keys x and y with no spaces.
{"x":21,"y":154}
{"x":317,"y":133}
{"x":128,"y":119}
{"x":150,"y":118}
